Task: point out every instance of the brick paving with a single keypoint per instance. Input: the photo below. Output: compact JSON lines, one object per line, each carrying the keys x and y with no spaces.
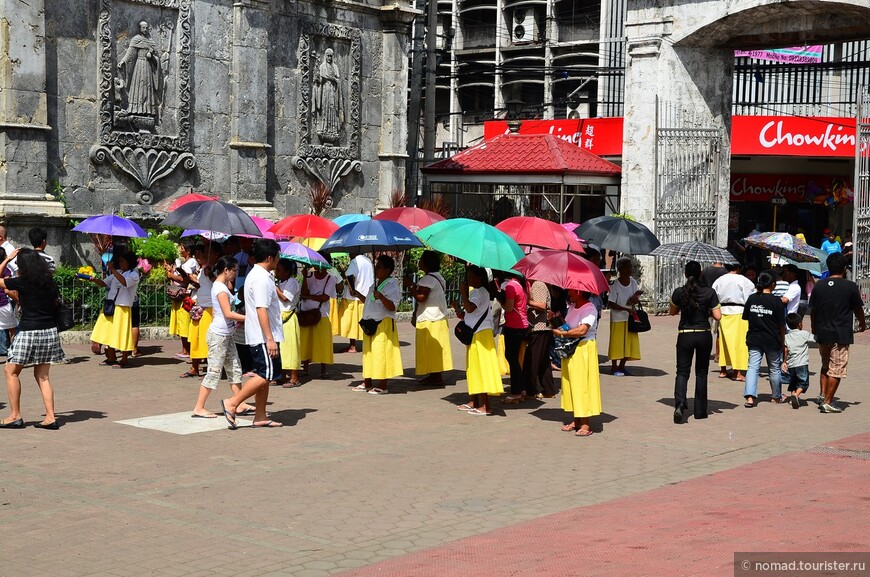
{"x":355,"y":479}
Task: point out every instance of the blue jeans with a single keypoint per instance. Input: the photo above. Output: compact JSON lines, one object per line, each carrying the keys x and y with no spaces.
{"x":4,"y":342}
{"x":774,"y":365}
{"x":800,"y":378}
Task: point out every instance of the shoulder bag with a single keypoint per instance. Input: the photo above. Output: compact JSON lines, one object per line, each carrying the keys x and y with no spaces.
{"x":465,"y":333}
{"x":63,"y":314}
{"x":109,"y":304}
{"x":309,"y":318}
{"x":564,"y":347}
{"x":176,"y":292}
{"x":638,"y":321}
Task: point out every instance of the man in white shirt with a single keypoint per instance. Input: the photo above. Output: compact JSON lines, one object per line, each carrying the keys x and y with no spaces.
{"x":263,"y":333}
{"x":359,"y":277}
{"x":7,"y":245}
{"x":733,"y":289}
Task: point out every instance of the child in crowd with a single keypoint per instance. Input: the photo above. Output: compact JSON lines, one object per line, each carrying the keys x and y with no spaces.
{"x":797,"y":357}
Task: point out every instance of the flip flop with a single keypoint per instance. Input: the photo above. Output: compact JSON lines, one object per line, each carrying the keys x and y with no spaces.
{"x":569,"y":427}
{"x":108,"y":363}
{"x":584,"y":433}
{"x":231,"y":418}
{"x":188,"y":375}
{"x":246,"y":413}
{"x":269,"y":425}
{"x":195,"y":416}
{"x":360,"y":388}
{"x":291,"y":384}
{"x":465,"y":407}
{"x":120,"y":366}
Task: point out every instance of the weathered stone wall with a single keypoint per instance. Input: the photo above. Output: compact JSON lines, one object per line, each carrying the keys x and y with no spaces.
{"x":235,"y":87}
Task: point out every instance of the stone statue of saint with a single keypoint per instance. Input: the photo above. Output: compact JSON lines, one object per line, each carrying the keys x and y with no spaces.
{"x":141,"y":72}
{"x":328,"y":106}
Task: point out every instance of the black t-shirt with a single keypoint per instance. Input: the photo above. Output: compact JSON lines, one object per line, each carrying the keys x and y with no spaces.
{"x":698,"y":318}
{"x":710,"y":274}
{"x":766,"y":316}
{"x":833,"y":301}
{"x":37,"y":302}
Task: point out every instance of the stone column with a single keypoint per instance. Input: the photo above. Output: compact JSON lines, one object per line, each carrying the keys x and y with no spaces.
{"x":392,"y":149}
{"x":250,"y":90}
{"x":23,"y":111}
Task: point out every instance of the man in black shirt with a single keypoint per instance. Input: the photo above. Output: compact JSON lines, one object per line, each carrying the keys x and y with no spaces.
{"x":833,"y":302}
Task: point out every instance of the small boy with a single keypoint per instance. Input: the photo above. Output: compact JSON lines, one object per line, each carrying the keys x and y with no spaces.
{"x":797,"y":355}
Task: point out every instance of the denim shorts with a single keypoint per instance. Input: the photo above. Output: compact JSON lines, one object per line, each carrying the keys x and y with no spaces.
{"x":799,"y":377}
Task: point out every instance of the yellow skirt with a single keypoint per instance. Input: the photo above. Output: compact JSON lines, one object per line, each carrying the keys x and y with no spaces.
{"x":334,"y":317}
{"x":381,"y":358}
{"x":196,"y":335}
{"x":179,"y":321}
{"x":316,"y":342}
{"x":290,"y":358}
{"x":115,"y":331}
{"x":350,"y":313}
{"x":433,"y":347}
{"x":581,"y":383}
{"x":733,"y":351}
{"x":481,"y":368}
{"x":623,"y":344}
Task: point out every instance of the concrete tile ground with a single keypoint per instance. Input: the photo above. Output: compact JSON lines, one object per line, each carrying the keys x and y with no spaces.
{"x":356,"y":479}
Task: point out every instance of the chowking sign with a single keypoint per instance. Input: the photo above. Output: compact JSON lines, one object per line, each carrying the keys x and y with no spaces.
{"x":750,"y":135}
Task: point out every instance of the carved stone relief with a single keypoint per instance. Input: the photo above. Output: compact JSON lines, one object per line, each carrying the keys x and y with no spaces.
{"x":329,"y":102}
{"x":145,"y":85}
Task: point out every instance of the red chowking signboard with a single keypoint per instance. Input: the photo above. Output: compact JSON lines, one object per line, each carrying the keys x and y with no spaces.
{"x":828,"y":190}
{"x":832,"y":137}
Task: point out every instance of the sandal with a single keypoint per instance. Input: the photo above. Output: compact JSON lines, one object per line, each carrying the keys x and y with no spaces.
{"x":360,"y":388}
{"x":477,"y":413}
{"x":466,"y":407}
{"x":188,"y":375}
{"x":108,"y":363}
{"x":291,"y":384}
{"x":584,"y":433}
{"x":569,"y":427}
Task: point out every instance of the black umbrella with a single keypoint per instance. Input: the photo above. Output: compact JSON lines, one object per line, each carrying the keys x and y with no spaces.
{"x":619,"y":234}
{"x":213,"y":216}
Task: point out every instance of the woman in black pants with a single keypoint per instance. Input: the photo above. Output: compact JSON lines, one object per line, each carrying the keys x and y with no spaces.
{"x":695,"y":305}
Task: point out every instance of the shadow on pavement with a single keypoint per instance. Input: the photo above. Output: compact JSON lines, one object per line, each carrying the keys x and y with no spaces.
{"x":150,"y":350}
{"x":560,"y":416}
{"x":290,"y":417}
{"x":713,"y":406}
{"x":147,"y":361}
{"x":76,"y":360}
{"x":78,"y":416}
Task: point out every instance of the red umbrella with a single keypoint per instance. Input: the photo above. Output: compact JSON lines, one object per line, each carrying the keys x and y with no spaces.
{"x":562,"y":268}
{"x":532,"y":231}
{"x":411,"y":217}
{"x":184,"y":199}
{"x":304,"y":226}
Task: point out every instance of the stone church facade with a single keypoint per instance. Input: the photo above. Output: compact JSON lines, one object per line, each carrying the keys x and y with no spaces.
{"x":115,"y":105}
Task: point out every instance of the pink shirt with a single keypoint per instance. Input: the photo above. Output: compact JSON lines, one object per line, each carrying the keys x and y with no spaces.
{"x":517,"y":318}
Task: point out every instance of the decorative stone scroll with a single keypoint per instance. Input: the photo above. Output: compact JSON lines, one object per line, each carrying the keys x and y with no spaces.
{"x":134,"y":93}
{"x":330,"y":63}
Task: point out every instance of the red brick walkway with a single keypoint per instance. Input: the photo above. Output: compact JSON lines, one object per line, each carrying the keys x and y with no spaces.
{"x":809,"y":501}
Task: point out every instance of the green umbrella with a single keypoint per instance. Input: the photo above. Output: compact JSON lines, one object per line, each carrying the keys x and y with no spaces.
{"x":473,"y":241}
{"x":816,"y":268}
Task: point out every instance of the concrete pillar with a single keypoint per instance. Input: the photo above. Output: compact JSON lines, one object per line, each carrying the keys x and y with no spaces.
{"x":392,"y":147}
{"x":24,"y":131}
{"x":250,"y":100}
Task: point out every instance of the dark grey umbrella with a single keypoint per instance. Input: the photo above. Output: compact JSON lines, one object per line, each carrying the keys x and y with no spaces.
{"x":694,"y":250}
{"x":213,"y":216}
{"x":619,"y":234}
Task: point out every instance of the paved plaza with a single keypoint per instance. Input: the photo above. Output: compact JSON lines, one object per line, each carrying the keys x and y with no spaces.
{"x":405,"y":485}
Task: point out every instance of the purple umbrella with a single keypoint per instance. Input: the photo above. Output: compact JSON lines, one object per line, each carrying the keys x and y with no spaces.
{"x":111,"y":225}
{"x":301,"y":253}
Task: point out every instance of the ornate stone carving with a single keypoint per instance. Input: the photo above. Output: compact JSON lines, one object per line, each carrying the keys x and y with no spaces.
{"x":135,"y":87}
{"x":145,"y":166}
{"x":328,"y":103}
{"x":329,"y":171}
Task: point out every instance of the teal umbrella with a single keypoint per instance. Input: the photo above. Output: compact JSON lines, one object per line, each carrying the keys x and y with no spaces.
{"x":473,"y":241}
{"x":349,"y":218}
{"x":815,"y":268}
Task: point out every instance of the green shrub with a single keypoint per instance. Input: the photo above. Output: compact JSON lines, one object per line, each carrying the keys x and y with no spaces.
{"x":156,"y":247}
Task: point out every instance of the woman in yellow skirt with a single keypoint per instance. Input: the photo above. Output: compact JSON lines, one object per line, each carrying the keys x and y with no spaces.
{"x":288,"y":294}
{"x":481,"y":371}
{"x":115,"y":331}
{"x":358,"y":279}
{"x":316,"y":341}
{"x":179,"y":319}
{"x":381,"y":359}
{"x":433,"y":334}
{"x":581,"y":383}
{"x":206,"y":257}
{"x":624,"y":294}
{"x":732,"y":290}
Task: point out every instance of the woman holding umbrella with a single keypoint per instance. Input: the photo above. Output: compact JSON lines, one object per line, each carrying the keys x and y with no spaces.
{"x":581,"y":383}
{"x":482,"y":371}
{"x":316,"y":340}
{"x":624,"y":294}
{"x":433,"y":334}
{"x":206,"y":257}
{"x":114,"y":328}
{"x":381,"y":357}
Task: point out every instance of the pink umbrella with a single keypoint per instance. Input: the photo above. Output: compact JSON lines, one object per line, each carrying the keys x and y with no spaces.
{"x":538,"y":232}
{"x":264,"y":225}
{"x":413,"y":218}
{"x":564,"y":269}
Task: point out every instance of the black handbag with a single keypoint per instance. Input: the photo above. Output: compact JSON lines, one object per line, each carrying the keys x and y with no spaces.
{"x":369,"y":326}
{"x":638,"y":321}
{"x":465,"y":333}
{"x":109,"y":304}
{"x":63,"y":316}
{"x":564,"y":347}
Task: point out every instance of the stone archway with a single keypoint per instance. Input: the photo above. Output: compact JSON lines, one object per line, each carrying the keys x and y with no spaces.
{"x":682,"y":54}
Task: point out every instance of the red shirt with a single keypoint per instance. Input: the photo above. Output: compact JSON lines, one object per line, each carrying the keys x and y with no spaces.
{"x":517,"y":318}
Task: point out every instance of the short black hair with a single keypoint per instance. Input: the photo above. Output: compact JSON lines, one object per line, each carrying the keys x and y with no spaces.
{"x":793,"y":320}
{"x":837,"y":263}
{"x":790,"y":268}
{"x":37,"y":236}
{"x":431,"y":259}
{"x":264,"y":249}
{"x":286,"y":263}
{"x":387,"y":262}
{"x":766,"y":278}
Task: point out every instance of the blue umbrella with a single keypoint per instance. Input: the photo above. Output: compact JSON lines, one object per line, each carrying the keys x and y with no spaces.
{"x":370,"y":236}
{"x":111,"y":225}
{"x":349,"y":218}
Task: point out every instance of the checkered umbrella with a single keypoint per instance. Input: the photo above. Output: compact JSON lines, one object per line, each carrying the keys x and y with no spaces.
{"x":693,"y":250}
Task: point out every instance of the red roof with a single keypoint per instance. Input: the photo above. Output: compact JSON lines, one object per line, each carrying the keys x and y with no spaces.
{"x":525,"y":154}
